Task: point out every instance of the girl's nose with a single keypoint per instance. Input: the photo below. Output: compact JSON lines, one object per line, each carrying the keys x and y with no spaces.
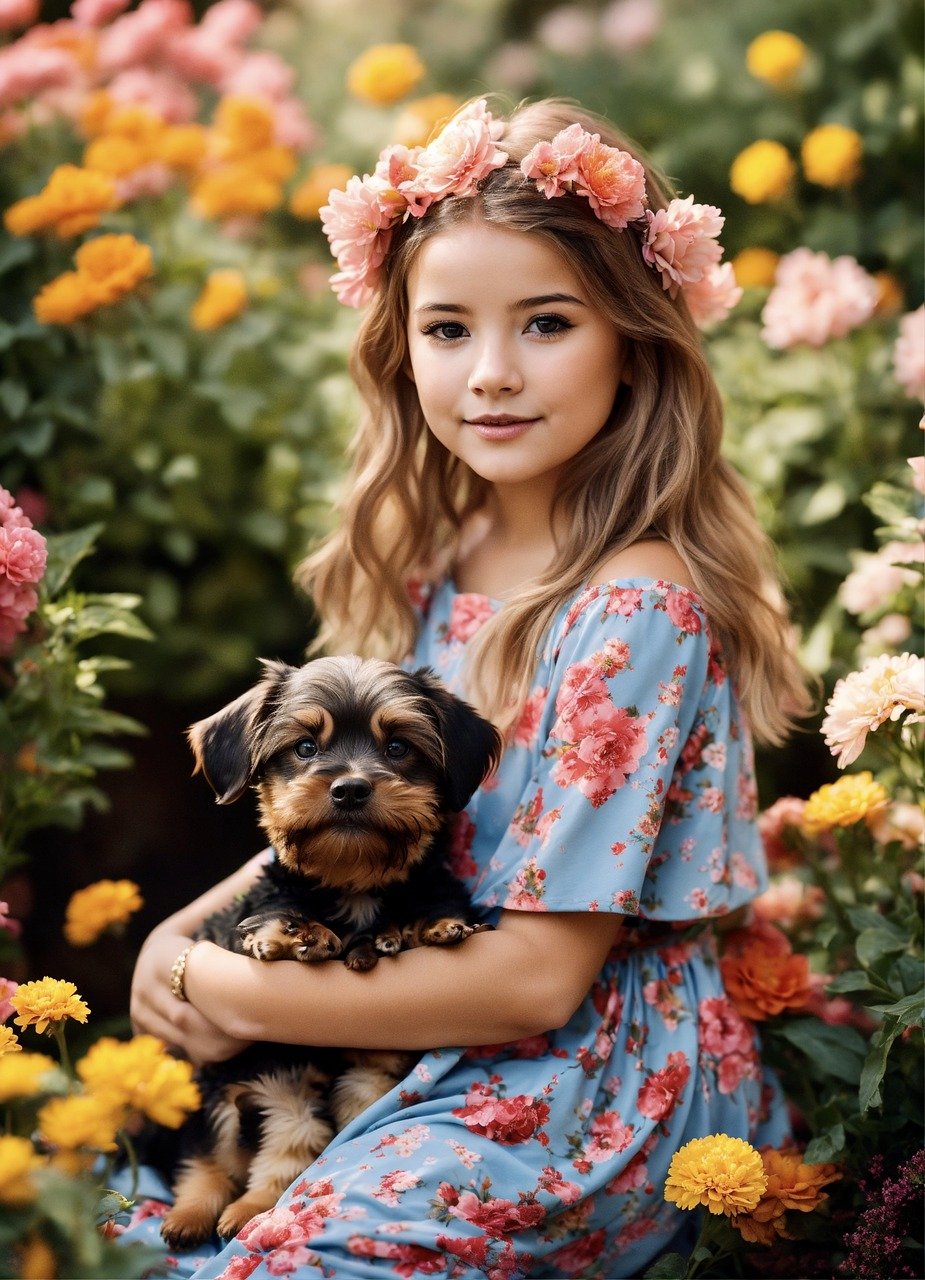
{"x":495,"y":370}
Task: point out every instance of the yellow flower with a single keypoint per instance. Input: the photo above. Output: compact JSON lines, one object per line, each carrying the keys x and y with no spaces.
{"x":140,"y":1074}
{"x":776,"y":57}
{"x":313,"y":191}
{"x":384,"y":73}
{"x":17,"y":1163}
{"x":94,"y":113}
{"x":115,"y":265}
{"x":223,"y":298}
{"x":93,"y":910}
{"x":115,"y":155}
{"x":136,"y":122}
{"x":762,"y":172}
{"x":420,"y":119}
{"x":81,"y":1121}
{"x":843,"y":803}
{"x":242,"y":125}
{"x":45,"y":1001}
{"x":72,"y":201}
{"x":234,"y":190}
{"x":724,"y":1174}
{"x":755,"y":267}
{"x":831,"y":155}
{"x":182,"y":146}
{"x":65,"y":299}
{"x":8,"y":1042}
{"x":21,"y":1074}
{"x":36,"y":1260}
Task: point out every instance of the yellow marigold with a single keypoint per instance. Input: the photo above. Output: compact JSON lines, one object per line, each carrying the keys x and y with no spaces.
{"x":140,"y":124}
{"x":420,"y":119}
{"x":115,"y":155}
{"x":843,"y":803}
{"x":140,"y":1074}
{"x":890,"y":297}
{"x":182,"y":146}
{"x":223,"y":298}
{"x":94,"y":909}
{"x":65,"y":299}
{"x":45,"y":1001}
{"x":755,"y":267}
{"x":94,"y":113}
{"x":724,"y":1174}
{"x":235,"y":190}
{"x":8,"y":1042}
{"x":81,"y":1121}
{"x":116,"y":265}
{"x":18,"y":1161}
{"x":242,"y":126}
{"x":762,"y":172}
{"x":384,"y":73}
{"x":72,"y":201}
{"x":21,"y":1074}
{"x":831,"y":155}
{"x":313,"y":191}
{"x":776,"y":57}
{"x":277,"y":164}
{"x":791,"y":1185}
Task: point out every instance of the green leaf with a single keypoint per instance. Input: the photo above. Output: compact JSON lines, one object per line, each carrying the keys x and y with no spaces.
{"x":836,"y":1050}
{"x":872,"y":944}
{"x":65,"y":552}
{"x":850,"y":980}
{"x":826,"y":1146}
{"x":909,"y":1011}
{"x":14,"y":397}
{"x":670,"y":1266}
{"x":169,"y":351}
{"x":874,"y":1068}
{"x":14,"y":253}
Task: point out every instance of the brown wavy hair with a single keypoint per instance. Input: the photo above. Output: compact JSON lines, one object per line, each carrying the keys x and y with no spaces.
{"x":653,"y":471}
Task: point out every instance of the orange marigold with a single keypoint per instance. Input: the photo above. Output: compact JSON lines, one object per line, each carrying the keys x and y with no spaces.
{"x":235,"y":190}
{"x":315,"y":188}
{"x":242,"y":126}
{"x":94,"y":113}
{"x":182,"y":146}
{"x":67,"y":298}
{"x":791,"y":1185}
{"x":73,"y":200}
{"x":115,"y":264}
{"x":98,"y":907}
{"x":115,"y":155}
{"x":223,"y":298}
{"x":46,"y":1001}
{"x":762,"y":974}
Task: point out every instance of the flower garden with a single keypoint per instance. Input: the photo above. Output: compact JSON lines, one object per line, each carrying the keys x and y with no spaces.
{"x":174,"y":407}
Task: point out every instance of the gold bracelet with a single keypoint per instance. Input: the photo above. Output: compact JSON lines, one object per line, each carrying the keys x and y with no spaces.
{"x":178,"y":973}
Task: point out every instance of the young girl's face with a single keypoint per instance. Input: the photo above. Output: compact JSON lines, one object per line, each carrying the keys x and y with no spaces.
{"x":515,"y":368}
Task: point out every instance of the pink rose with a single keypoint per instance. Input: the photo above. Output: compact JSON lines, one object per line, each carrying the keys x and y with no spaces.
{"x":23,"y":554}
{"x":682,"y":613}
{"x":608,"y":1136}
{"x":505,"y":1120}
{"x":722,"y":1028}
{"x":581,"y":700}
{"x":681,"y":242}
{"x":605,"y":757}
{"x":658,"y":1097}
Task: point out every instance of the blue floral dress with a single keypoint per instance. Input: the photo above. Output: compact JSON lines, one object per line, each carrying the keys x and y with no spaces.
{"x":628,"y":787}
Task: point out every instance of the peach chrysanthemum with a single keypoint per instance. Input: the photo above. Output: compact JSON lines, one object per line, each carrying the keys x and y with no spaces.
{"x":681,"y":241}
{"x":816,"y":298}
{"x":21,"y":1074}
{"x":776,"y":57}
{"x":93,"y":910}
{"x":140,"y":1075}
{"x":888,"y":687}
{"x":18,"y":1162}
{"x":45,"y":1001}
{"x":791,"y":1185}
{"x":385,"y":73}
{"x":223,"y":297}
{"x":9,"y":1043}
{"x":831,"y":155}
{"x":844,"y":803}
{"x":80,"y":1121}
{"x":725,"y":1175}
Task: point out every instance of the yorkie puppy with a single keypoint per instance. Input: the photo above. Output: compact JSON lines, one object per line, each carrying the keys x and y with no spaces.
{"x":358,"y":766}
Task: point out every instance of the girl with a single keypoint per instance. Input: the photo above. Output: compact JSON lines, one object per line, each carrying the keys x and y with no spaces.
{"x":538,"y":510}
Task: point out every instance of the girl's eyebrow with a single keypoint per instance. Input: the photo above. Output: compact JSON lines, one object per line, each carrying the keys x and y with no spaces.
{"x":541,"y":301}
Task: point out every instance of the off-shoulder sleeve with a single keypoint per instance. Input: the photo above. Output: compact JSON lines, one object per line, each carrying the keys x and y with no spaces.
{"x":641,"y":800}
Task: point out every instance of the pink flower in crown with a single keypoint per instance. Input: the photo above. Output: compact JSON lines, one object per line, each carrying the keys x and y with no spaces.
{"x":613,"y":181}
{"x":399,"y":174}
{"x":357,"y":227}
{"x":681,"y":242}
{"x":96,"y":13}
{"x":711,"y":298}
{"x":553,"y":164}
{"x":461,"y":155}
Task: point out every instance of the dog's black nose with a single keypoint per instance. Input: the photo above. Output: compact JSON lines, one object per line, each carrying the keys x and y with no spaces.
{"x":350,"y":793}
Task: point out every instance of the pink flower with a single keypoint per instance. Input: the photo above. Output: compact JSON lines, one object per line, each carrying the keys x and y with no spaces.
{"x":96,"y":13}
{"x":291,"y":125}
{"x":608,"y":1136}
{"x":634,"y":1175}
{"x":581,"y":701}
{"x":624,"y":601}
{"x":659,"y":1096}
{"x":711,"y":298}
{"x":628,"y":25}
{"x":505,"y":1120}
{"x":575,"y":1259}
{"x":567,"y":30}
{"x":880,"y":576}
{"x":901,"y":821}
{"x":461,"y":155}
{"x":816,"y":298}
{"x":288,"y":1259}
{"x":608,"y":753}
{"x":231,"y":21}
{"x":357,"y":227}
{"x":682,"y":613}
{"x":784,"y":814}
{"x":732,"y":1070}
{"x":194,"y":54}
{"x":7,"y":988}
{"x":149,"y":180}
{"x":887,"y":687}
{"x":23,"y":554}
{"x":909,"y":354}
{"x":613,"y":181}
{"x":496,"y":1216}
{"x":15,"y":14}
{"x":553,"y":164}
{"x":260,"y":74}
{"x":552,"y":1181}
{"x":789,"y":902}
{"x":681,"y":241}
{"x":142,"y":35}
{"x":525,"y":730}
{"x":27,"y":70}
{"x":242,"y":1268}
{"x":469,"y":613}
{"x":722,"y":1028}
{"x":163,"y":93}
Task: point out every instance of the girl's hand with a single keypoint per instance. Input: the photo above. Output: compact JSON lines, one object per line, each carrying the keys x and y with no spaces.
{"x":155,"y":1011}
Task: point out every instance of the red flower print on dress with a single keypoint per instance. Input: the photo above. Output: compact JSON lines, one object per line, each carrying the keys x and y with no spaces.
{"x":286,"y":1261}
{"x":241,"y":1268}
{"x":624,"y":601}
{"x":462,"y":863}
{"x":526,"y":891}
{"x":525,"y":731}
{"x":552,"y":1182}
{"x":409,"y":1258}
{"x":581,"y":696}
{"x":392,"y":1185}
{"x":606,"y":754}
{"x":608,"y":1137}
{"x":497,"y":1217}
{"x":587,"y":597}
{"x":475,"y":1252}
{"x":576,"y":1258}
{"x":504,"y":1120}
{"x":682,"y":613}
{"x":523,"y":823}
{"x":692,"y":752}
{"x":634,"y":1175}
{"x":282,"y":1227}
{"x":469,"y":613}
{"x":659,"y":1096}
{"x":661,"y":995}
{"x":722,"y":1029}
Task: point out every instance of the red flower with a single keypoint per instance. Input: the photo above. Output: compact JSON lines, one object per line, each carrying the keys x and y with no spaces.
{"x":609,"y":1135}
{"x":475,"y":1252}
{"x":498,"y":1217}
{"x":468,"y":614}
{"x":505,"y":1120}
{"x":658,"y":1097}
{"x":577,"y":1257}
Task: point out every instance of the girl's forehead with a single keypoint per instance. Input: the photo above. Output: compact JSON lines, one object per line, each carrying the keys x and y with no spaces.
{"x":476,"y":256}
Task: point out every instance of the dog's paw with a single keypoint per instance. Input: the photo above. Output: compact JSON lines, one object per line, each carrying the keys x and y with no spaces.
{"x":239,"y":1213}
{"x":186,"y":1228}
{"x":389,"y":941}
{"x":362,"y":958}
{"x":315,"y":942}
{"x":445,"y":932}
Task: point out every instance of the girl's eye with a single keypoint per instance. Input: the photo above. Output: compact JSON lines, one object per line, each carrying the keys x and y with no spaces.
{"x":549,"y":326}
{"x":306,"y":748}
{"x":445,"y":331}
{"x":396,"y":749}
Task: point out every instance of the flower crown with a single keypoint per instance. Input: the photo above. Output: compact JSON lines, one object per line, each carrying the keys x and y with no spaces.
{"x":679,"y":241}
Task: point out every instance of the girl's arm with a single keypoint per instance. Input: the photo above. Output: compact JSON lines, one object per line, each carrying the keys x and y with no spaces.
{"x":527,"y":976}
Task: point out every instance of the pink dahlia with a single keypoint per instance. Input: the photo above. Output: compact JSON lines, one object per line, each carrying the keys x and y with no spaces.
{"x":461,"y":155}
{"x":357,"y":227}
{"x":613,"y":181}
{"x":816,"y":298}
{"x":909,"y":354}
{"x":681,"y":241}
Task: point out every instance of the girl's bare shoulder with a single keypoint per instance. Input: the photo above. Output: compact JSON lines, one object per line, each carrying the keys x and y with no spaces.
{"x":649,"y":558}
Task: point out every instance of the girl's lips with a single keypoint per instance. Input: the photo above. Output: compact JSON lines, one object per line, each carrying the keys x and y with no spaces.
{"x":502,"y":430}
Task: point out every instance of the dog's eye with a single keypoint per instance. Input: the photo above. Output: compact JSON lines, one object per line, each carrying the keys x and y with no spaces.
{"x":396,"y":749}
{"x":306,"y":748}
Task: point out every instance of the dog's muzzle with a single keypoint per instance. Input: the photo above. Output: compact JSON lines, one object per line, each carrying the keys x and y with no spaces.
{"x":350,"y":793}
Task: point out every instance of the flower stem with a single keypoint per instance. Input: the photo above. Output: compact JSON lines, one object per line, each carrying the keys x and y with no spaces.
{"x":62,"y":1049}
{"x":132,"y":1161}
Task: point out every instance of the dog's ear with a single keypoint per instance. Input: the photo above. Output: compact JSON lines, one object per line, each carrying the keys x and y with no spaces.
{"x":472,"y":744}
{"x":225,"y":744}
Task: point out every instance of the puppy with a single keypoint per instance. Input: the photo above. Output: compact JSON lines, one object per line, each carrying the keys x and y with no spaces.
{"x":358,"y":767}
